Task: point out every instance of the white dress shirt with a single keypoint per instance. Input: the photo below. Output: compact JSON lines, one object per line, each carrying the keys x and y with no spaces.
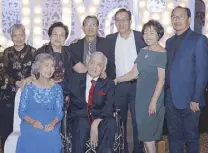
{"x":125,"y":54}
{"x":88,"y":86}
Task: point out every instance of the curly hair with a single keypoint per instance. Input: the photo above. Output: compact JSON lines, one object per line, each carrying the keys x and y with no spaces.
{"x":58,"y":24}
{"x":156,"y":25}
{"x":38,"y":60}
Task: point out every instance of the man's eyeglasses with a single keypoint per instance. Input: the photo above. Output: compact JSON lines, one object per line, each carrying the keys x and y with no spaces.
{"x":90,"y":25}
{"x":181,"y":17}
{"x":121,"y":20}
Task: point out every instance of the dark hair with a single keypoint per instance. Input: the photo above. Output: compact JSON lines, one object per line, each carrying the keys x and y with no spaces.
{"x":188,"y":11}
{"x":123,"y":10}
{"x":90,"y":17}
{"x":58,"y":24}
{"x":156,"y":25}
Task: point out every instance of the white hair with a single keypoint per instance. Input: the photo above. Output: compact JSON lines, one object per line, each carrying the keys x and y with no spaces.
{"x":36,"y":65}
{"x":98,"y":53}
{"x":15,"y":27}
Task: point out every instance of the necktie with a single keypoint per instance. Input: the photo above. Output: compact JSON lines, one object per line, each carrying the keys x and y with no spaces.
{"x":90,"y":100}
{"x":89,"y":48}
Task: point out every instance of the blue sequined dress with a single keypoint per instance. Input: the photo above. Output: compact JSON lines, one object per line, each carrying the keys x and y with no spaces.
{"x":42,"y":104}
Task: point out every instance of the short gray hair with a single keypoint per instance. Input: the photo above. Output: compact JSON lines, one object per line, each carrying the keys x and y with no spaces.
{"x":36,"y":65}
{"x":15,"y":27}
{"x":98,"y":53}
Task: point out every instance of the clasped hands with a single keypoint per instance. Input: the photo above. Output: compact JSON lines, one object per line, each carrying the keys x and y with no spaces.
{"x":37,"y":124}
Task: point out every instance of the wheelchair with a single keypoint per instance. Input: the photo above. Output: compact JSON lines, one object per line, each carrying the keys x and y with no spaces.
{"x":65,"y":133}
{"x":67,"y":137}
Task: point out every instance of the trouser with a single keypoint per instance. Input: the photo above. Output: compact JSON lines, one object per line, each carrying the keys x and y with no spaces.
{"x":124,"y":95}
{"x":182,"y":128}
{"x":81,"y":133}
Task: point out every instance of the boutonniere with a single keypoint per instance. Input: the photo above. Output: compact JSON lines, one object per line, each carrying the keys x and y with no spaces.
{"x":101,"y":93}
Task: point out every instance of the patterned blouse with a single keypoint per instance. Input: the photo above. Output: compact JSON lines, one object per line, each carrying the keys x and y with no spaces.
{"x":14,"y":66}
{"x":18,"y":63}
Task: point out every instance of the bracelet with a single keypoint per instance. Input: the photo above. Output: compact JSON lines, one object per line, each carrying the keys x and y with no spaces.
{"x":33,"y":122}
{"x":52,"y":124}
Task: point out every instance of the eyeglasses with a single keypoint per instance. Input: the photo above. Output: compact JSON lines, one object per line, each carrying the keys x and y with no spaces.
{"x":58,"y":35}
{"x":90,"y":25}
{"x":18,"y":35}
{"x":181,"y":17}
{"x":121,"y":20}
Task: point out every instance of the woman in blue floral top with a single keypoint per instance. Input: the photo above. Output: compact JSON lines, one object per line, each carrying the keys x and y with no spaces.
{"x":40,"y":109}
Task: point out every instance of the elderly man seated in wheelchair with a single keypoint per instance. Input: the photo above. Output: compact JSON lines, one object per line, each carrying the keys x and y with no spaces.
{"x":91,"y":107}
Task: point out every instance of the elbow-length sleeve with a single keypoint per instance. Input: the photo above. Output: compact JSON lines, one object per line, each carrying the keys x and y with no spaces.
{"x":59,"y":103}
{"x":162,"y":60}
{"x":24,"y":102}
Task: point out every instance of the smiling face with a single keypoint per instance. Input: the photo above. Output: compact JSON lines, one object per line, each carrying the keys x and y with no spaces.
{"x":18,"y":37}
{"x":90,"y":27}
{"x":180,"y":20}
{"x":96,"y":65}
{"x":47,"y":68}
{"x":123,"y":22}
{"x":150,"y":36}
{"x":58,"y":37}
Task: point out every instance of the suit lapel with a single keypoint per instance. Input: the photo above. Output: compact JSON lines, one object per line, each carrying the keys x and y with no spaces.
{"x":136,"y":44}
{"x":183,"y":45}
{"x":98,"y":86}
{"x":82,"y":47}
{"x":82,"y":85}
{"x":114,"y":43}
{"x":97,"y":42}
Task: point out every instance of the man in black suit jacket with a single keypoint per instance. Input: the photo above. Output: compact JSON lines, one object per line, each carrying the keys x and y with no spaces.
{"x":91,"y":43}
{"x":91,"y":107}
{"x":125,"y":45}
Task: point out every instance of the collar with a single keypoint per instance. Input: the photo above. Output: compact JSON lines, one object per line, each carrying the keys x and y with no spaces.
{"x":90,"y":78}
{"x":93,"y":41}
{"x":131,"y":35}
{"x":22,"y":50}
{"x":183,"y":34}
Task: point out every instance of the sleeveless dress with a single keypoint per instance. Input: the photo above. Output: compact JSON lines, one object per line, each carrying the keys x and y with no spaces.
{"x":42,"y":104}
{"x":149,"y":127}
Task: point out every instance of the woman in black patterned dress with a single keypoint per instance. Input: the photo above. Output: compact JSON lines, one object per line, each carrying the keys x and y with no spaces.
{"x":65,"y":61}
{"x":17,"y":61}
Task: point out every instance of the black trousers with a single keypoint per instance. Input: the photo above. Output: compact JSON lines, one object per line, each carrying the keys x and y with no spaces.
{"x":182,"y":128}
{"x":124,"y":96}
{"x":81,"y":133}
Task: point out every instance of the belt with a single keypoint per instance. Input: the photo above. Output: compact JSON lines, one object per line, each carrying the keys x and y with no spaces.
{"x":128,"y":82}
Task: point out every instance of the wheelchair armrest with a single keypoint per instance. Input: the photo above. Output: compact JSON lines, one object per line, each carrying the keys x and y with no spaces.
{"x":116,"y":114}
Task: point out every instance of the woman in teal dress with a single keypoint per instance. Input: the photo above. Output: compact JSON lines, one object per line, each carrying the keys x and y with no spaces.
{"x":150,"y":69}
{"x":40,"y":110}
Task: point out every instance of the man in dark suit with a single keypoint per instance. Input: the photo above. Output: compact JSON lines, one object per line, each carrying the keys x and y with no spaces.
{"x":91,"y":107}
{"x":91,"y":43}
{"x":186,"y":78}
{"x":125,"y":45}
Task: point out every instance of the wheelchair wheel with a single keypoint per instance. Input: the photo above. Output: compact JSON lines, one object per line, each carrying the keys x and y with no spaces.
{"x":119,"y":137}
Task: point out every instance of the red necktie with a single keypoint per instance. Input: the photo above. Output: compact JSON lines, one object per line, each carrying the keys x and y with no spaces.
{"x":90,"y":99}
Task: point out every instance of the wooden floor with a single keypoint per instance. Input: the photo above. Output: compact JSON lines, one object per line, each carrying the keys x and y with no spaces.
{"x":203,"y":139}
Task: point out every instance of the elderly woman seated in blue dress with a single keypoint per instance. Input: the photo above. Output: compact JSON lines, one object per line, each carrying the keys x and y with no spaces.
{"x":41,"y":110}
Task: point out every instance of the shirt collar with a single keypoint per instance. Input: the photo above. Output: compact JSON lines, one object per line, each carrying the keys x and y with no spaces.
{"x":90,"y":78}
{"x":130,"y":35}
{"x":183,"y":34}
{"x":93,"y":41}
